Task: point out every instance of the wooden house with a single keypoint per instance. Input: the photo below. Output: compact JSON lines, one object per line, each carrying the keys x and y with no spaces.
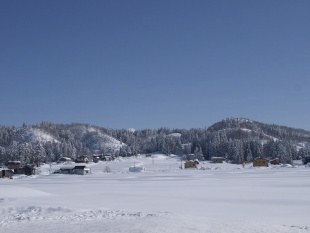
{"x":275,"y":161}
{"x":217,"y":159}
{"x":6,"y":173}
{"x":190,"y":164}
{"x":13,"y":165}
{"x":260,"y":162}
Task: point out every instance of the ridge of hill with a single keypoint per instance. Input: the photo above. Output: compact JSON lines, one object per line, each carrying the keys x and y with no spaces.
{"x":245,"y":128}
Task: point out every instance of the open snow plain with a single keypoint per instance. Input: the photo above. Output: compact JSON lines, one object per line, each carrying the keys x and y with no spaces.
{"x":163,"y":198}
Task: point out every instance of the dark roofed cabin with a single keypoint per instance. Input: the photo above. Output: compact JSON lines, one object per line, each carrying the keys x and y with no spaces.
{"x":275,"y":161}
{"x":29,"y":170}
{"x":80,"y":170}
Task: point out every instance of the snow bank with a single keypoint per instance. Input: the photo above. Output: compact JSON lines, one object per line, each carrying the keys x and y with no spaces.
{"x":14,"y":191}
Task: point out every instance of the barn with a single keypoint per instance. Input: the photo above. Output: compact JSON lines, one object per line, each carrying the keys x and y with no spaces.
{"x":260,"y":162}
{"x":190,"y":164}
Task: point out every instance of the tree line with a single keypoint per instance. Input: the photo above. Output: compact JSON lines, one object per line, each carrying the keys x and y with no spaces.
{"x":237,"y":140}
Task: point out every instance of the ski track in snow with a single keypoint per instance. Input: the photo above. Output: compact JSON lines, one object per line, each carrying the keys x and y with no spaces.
{"x":12,"y":215}
{"x":60,"y":219}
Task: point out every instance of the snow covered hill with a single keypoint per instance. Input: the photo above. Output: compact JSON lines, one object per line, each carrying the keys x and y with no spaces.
{"x":244,"y":128}
{"x":33,"y":135}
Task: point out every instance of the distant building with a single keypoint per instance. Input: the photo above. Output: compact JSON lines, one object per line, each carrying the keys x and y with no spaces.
{"x":81,"y":170}
{"x":6,"y":173}
{"x":64,"y":159}
{"x":275,"y":161}
{"x":102,"y":157}
{"x":306,"y":159}
{"x":82,"y":159}
{"x":78,"y":170}
{"x":107,"y":158}
{"x":29,"y":170}
{"x":96,"y":158}
{"x":260,"y":162}
{"x":217,"y":159}
{"x":190,"y":164}
{"x":13,"y":165}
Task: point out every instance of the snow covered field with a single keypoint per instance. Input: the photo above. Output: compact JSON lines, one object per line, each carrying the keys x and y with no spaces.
{"x":163,"y":198}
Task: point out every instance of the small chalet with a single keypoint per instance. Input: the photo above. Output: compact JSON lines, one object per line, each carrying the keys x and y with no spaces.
{"x":6,"y":173}
{"x":260,"y":162}
{"x":13,"y":165}
{"x":275,"y":161}
{"x":217,"y":159}
{"x":190,"y":164}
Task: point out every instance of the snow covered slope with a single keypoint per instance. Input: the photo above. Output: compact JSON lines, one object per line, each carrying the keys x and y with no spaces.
{"x":33,"y":135}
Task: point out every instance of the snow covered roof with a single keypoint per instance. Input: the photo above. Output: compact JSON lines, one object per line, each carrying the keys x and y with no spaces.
{"x":79,"y":167}
{"x":14,"y":162}
{"x":260,"y":158}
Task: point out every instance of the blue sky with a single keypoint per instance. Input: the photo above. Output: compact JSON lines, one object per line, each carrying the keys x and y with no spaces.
{"x":150,"y":64}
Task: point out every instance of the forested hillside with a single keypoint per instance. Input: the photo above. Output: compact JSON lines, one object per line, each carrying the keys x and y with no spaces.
{"x":236,"y":139}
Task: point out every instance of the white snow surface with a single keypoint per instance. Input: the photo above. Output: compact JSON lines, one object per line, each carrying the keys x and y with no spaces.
{"x":163,"y":198}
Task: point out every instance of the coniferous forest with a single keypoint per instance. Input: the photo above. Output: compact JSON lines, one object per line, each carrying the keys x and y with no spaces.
{"x":236,"y":139}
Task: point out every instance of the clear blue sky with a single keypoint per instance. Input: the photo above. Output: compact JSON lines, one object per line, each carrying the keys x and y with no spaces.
{"x":154,"y":63}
